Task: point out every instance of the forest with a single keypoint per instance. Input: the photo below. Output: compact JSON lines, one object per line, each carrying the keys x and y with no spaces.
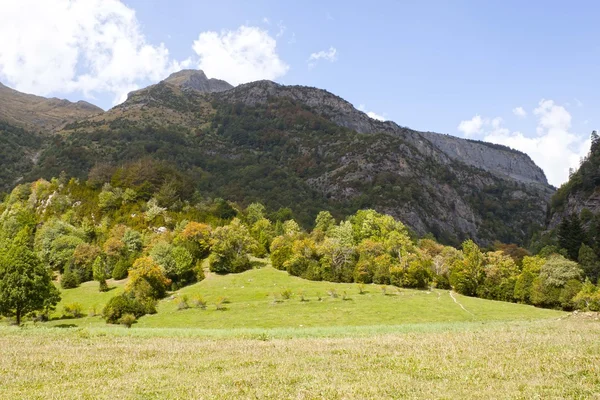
{"x":145,"y":222}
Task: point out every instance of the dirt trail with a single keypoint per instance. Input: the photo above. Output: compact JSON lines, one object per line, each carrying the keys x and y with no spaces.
{"x":457,"y":302}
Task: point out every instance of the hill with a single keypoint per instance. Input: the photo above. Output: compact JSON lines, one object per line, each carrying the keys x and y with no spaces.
{"x":307,"y":149}
{"x":36,"y":113}
{"x":255,"y":301}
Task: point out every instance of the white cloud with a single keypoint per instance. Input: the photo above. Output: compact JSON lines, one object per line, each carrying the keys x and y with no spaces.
{"x":329,"y":55}
{"x":554,"y":147}
{"x":371,"y":114}
{"x":282,"y":29}
{"x":244,"y":55}
{"x":472,"y":126}
{"x":519,"y":112}
{"x":92,"y":46}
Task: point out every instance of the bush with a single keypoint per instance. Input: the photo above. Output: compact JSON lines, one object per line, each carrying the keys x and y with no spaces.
{"x":183,"y":303}
{"x":73,"y":310}
{"x":121,"y":268}
{"x":286,"y":294}
{"x":199,"y":302}
{"x":69,"y":279}
{"x":220,"y":303}
{"x":123,"y":304}
{"x":127,"y":320}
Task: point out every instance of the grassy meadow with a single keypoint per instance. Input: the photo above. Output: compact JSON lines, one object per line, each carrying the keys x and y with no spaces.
{"x":327,"y":341}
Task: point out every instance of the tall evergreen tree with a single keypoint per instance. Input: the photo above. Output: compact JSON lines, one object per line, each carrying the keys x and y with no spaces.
{"x":571,"y":235}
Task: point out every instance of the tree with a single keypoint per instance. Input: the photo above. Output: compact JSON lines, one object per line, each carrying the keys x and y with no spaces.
{"x":254,"y":212}
{"x":467,"y":274}
{"x":25,"y":284}
{"x":571,"y":235}
{"x":338,"y":259}
{"x":195,"y":237}
{"x":147,"y":280}
{"x":589,"y":262}
{"x":230,"y":247}
{"x":501,"y":274}
{"x":99,"y":271}
{"x":555,"y":286}
{"x":531,"y":269}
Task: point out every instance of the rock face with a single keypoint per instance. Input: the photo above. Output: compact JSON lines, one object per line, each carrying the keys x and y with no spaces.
{"x":197,"y":80}
{"x":39,"y":113}
{"x":496,"y":159}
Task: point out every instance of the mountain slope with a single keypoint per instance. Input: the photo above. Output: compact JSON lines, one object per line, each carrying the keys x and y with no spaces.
{"x":39,"y":113}
{"x":307,"y":149}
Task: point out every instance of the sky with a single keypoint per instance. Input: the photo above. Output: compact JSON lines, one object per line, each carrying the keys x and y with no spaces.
{"x":519,"y":73}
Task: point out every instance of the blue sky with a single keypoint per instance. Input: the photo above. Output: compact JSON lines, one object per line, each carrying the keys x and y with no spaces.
{"x":428,"y":65}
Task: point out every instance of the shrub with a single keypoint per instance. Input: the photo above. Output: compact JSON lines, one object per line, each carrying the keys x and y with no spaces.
{"x":121,"y":269}
{"x":199,"y":302}
{"x":220,"y":303}
{"x":69,"y":280}
{"x":127,"y":320}
{"x":303,"y":297}
{"x":361,"y":288}
{"x":286,"y":294}
{"x":183,"y":303}
{"x":73,"y":310}
{"x":333,"y":293}
{"x":125,"y":304}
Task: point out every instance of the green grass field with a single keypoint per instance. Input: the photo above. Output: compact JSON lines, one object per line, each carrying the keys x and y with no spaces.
{"x":397,"y":344}
{"x":252,"y":305}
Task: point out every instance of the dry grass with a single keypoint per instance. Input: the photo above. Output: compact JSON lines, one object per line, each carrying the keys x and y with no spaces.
{"x":557,"y":358}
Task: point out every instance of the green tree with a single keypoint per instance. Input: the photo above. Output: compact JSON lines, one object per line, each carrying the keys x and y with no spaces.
{"x":99,"y":272}
{"x":25,"y":284}
{"x":501,"y":273}
{"x":254,"y":212}
{"x":231,"y":245}
{"x":468,"y":273}
{"x":571,"y":235}
{"x":589,"y":262}
{"x":531,"y":269}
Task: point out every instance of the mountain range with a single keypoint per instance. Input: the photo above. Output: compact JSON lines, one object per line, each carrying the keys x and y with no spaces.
{"x":292,"y":147}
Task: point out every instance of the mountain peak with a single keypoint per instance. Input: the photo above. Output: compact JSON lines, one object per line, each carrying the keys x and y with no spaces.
{"x":197,"y":80}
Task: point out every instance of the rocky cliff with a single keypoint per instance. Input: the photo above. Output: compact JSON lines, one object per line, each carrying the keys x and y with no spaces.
{"x":496,"y":159}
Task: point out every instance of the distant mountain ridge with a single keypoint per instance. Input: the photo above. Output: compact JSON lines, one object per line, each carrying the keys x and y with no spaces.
{"x":308,"y":149}
{"x":39,"y":113}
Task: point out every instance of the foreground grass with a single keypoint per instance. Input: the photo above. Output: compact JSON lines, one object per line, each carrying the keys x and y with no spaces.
{"x":557,"y":358}
{"x":256,"y":302}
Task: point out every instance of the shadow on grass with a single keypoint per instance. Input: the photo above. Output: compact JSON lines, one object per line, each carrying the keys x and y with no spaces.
{"x":65,"y":326}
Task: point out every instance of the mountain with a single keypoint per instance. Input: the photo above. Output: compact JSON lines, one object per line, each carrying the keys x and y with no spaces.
{"x":307,"y":149}
{"x":580,"y":196}
{"x":37,"y":113}
{"x":196,"y":80}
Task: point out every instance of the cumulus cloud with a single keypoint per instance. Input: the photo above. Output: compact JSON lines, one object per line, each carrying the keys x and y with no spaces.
{"x":244,"y":55}
{"x":553,"y":147}
{"x":472,"y":126}
{"x":519,"y":112}
{"x":327,"y":55}
{"x":371,"y":114}
{"x":64,"y":46}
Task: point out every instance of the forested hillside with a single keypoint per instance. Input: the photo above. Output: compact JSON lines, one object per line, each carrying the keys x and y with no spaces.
{"x":308,"y":150}
{"x":143,"y":221}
